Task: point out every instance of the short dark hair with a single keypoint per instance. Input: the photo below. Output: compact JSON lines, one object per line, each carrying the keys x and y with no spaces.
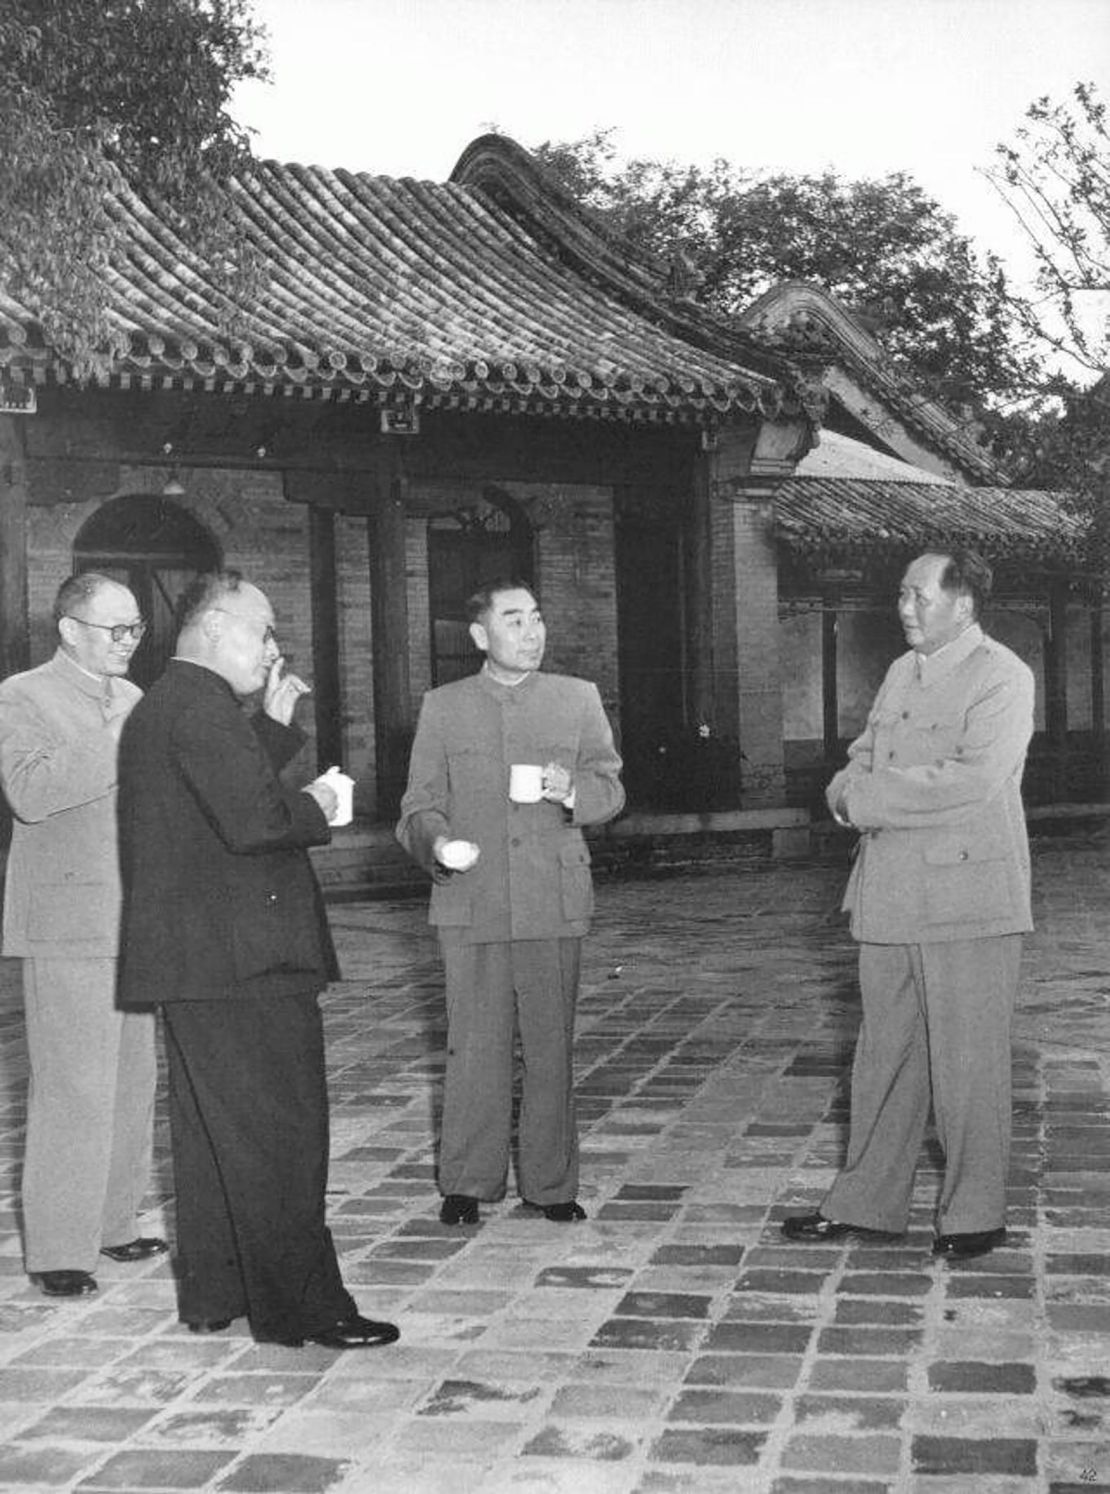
{"x":967,"y":574}
{"x":78,"y":591}
{"x":205,"y":592}
{"x":481,"y":601}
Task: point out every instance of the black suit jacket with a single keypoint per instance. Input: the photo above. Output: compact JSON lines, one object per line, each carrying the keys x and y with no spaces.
{"x":220,"y":898}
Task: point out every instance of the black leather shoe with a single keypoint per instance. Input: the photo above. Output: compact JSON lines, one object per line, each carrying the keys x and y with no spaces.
{"x":356,"y":1333}
{"x":66,"y":1283}
{"x":560,"y":1213}
{"x":965,"y":1247}
{"x":135,"y":1250}
{"x":459,"y":1208}
{"x":209,"y":1325}
{"x":815,"y":1228}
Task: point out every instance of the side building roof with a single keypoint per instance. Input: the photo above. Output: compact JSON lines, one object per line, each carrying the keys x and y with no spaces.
{"x":492,"y":291}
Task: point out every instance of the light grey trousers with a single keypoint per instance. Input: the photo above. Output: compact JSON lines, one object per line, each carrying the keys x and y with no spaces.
{"x":90,"y":1109}
{"x":494,"y":992}
{"x":936,"y":1025}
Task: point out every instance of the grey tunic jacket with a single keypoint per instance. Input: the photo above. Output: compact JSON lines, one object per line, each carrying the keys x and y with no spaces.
{"x":532,"y":880}
{"x":59,"y":742}
{"x":934,"y":782}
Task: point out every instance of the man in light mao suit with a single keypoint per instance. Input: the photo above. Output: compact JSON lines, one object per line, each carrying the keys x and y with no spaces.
{"x":90,"y":1103}
{"x":511,"y":898}
{"x":939,"y":897}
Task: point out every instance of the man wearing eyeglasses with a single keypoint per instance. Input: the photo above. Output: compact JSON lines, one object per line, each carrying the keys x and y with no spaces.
{"x":92,"y":1067}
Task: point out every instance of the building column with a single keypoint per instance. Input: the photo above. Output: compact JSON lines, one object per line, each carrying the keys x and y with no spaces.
{"x":746,"y":658}
{"x":15,"y":637}
{"x":389,"y":613}
{"x":326,"y":694}
{"x":1056,"y":688}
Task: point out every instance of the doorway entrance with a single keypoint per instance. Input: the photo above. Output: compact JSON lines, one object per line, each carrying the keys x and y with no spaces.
{"x":155,"y":548}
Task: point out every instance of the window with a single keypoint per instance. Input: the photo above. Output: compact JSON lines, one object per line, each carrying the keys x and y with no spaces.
{"x":466,"y":547}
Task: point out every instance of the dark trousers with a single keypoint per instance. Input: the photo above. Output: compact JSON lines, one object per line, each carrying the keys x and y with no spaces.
{"x":249,"y":1123}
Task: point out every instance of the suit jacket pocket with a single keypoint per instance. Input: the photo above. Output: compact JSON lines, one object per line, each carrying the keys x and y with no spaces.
{"x":576,"y":884}
{"x":272,"y":930}
{"x":967,"y":882}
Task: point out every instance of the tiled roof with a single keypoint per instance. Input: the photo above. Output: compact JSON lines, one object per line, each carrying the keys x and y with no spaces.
{"x":838,"y":519}
{"x":802,"y":316}
{"x":836,"y":455}
{"x":401,"y":290}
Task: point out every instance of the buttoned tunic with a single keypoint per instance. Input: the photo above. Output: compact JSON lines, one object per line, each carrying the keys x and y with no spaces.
{"x":532,"y":880}
{"x":59,"y":743}
{"x":934,"y":784}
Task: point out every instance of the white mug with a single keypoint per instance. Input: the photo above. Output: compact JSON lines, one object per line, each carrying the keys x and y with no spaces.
{"x":525,"y":783}
{"x":344,"y":787}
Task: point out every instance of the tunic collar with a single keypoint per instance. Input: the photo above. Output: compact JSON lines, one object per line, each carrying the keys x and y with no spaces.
{"x":505,"y":693}
{"x":103,"y":689}
{"x":933,"y":667}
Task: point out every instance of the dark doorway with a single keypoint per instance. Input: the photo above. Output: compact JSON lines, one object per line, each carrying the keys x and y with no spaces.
{"x":155,"y":548}
{"x":466,"y":547}
{"x":650,"y":648}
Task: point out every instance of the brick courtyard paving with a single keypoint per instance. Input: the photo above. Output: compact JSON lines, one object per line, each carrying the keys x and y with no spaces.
{"x":673,"y":1342}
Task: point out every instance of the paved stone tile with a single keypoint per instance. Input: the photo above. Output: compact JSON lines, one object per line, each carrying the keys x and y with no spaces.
{"x":674,"y":1343}
{"x":283,"y":1473}
{"x":150,"y":1469}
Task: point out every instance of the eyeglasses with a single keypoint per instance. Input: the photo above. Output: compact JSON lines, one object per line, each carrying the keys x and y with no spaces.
{"x":268,"y":634}
{"x":119,"y":631}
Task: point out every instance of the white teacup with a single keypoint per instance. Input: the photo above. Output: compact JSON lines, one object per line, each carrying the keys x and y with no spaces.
{"x":344,"y":788}
{"x":525,"y":783}
{"x":458,"y":855}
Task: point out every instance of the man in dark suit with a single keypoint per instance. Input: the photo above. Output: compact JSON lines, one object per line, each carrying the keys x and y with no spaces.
{"x":224,"y":926}
{"x":506,"y":767}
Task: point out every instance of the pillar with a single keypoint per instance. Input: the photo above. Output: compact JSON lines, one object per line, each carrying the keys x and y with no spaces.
{"x":15,"y":642}
{"x":389,"y":614}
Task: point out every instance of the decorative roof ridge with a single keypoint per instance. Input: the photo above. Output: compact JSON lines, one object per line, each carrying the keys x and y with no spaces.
{"x":504,"y":170}
{"x":786,"y":304}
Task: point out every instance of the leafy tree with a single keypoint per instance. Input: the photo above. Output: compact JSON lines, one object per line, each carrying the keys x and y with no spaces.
{"x":1055,"y":177}
{"x":942,"y":310}
{"x":92,"y":91}
{"x":1056,"y":180}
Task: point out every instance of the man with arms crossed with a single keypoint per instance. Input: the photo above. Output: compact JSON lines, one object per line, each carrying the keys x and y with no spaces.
{"x":939,"y":898}
{"x":511,"y":897}
{"x":223,"y":918}
{"x":90,"y":1100}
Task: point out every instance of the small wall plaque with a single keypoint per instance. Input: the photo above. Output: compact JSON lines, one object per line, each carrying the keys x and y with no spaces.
{"x":17,"y":399}
{"x":400,"y":422}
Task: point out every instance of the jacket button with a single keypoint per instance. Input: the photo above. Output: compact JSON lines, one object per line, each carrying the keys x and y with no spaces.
{"x":515,"y":840}
{"x":963,"y":855}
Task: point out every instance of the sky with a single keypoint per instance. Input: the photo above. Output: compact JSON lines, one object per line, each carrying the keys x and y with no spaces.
{"x":864,"y":87}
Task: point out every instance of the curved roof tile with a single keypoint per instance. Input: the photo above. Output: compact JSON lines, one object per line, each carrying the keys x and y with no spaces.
{"x":827,"y":519}
{"x":452,"y":294}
